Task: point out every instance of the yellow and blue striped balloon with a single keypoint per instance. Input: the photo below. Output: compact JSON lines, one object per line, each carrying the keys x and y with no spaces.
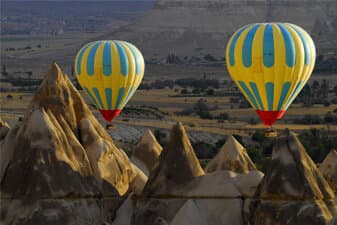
{"x":270,"y":63}
{"x":110,"y":73}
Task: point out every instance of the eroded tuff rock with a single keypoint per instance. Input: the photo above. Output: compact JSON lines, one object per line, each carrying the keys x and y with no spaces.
{"x":233,"y":157}
{"x":214,"y":197}
{"x":59,"y":164}
{"x":293,"y":191}
{"x":125,"y":211}
{"x":329,"y":169}
{"x":333,"y":220}
{"x":4,"y":128}
{"x":146,"y":152}
{"x":177,"y":165}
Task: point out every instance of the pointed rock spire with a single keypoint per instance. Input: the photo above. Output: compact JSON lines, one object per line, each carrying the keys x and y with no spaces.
{"x":329,"y":169}
{"x":232,"y":156}
{"x":146,"y":152}
{"x":60,"y":149}
{"x":292,"y":173}
{"x":293,"y":191}
{"x":177,"y":165}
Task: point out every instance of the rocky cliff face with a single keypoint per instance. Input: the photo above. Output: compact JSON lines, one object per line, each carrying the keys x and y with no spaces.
{"x":232,"y":156}
{"x":146,"y":153}
{"x":189,"y":27}
{"x":329,"y":169}
{"x":58,"y":162}
{"x":293,"y":190}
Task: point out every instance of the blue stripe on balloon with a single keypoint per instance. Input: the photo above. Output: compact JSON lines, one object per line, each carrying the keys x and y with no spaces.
{"x":91,"y":59}
{"x":248,"y":45}
{"x":249,"y":94}
{"x":268,"y":46}
{"x":289,"y":45}
{"x":79,"y":59}
{"x":107,"y":64}
{"x":305,"y":45}
{"x":257,"y":94}
{"x":137,"y":62}
{"x":131,"y":92}
{"x":232,"y":46}
{"x":119,"y":97}
{"x":108,"y":96}
{"x":98,"y":97}
{"x":298,"y":86}
{"x":123,"y":59}
{"x":270,"y":94}
{"x":285,"y":89}
{"x":91,"y":96}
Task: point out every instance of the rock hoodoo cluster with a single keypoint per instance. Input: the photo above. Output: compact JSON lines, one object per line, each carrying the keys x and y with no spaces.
{"x":59,"y":160}
{"x":60,"y":166}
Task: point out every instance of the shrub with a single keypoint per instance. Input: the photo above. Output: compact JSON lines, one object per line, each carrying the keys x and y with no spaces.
{"x":259,"y":137}
{"x":210,"y":92}
{"x":184,"y":91}
{"x":223,"y":116}
{"x":326,"y":103}
{"x":255,"y":153}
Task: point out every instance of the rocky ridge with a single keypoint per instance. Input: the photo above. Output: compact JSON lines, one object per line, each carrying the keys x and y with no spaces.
{"x":62,"y":161}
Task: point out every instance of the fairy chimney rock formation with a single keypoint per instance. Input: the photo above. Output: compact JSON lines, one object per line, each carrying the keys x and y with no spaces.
{"x":62,"y":159}
{"x":177,"y":165}
{"x":293,"y":191}
{"x":146,"y":152}
{"x":329,"y":169}
{"x":232,"y":156}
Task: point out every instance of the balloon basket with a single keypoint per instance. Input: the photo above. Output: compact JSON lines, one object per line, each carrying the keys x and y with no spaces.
{"x":110,"y":127}
{"x":270,"y":133}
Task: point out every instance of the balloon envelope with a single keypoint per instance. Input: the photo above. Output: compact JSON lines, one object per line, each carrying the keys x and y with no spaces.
{"x":110,"y":73}
{"x":270,"y":63}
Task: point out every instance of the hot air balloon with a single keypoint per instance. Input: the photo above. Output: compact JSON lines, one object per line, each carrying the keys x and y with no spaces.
{"x":110,"y":73}
{"x":270,"y":63}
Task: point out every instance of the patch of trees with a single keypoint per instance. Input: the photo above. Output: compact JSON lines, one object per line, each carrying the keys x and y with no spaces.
{"x":202,"y":109}
{"x":318,"y":92}
{"x":197,"y":84}
{"x":22,"y":82}
{"x":161,"y":136}
{"x":329,"y":118}
{"x":318,"y":142}
{"x":144,"y":111}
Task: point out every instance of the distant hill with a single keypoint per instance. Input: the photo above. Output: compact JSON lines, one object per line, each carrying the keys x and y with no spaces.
{"x":196,"y":27}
